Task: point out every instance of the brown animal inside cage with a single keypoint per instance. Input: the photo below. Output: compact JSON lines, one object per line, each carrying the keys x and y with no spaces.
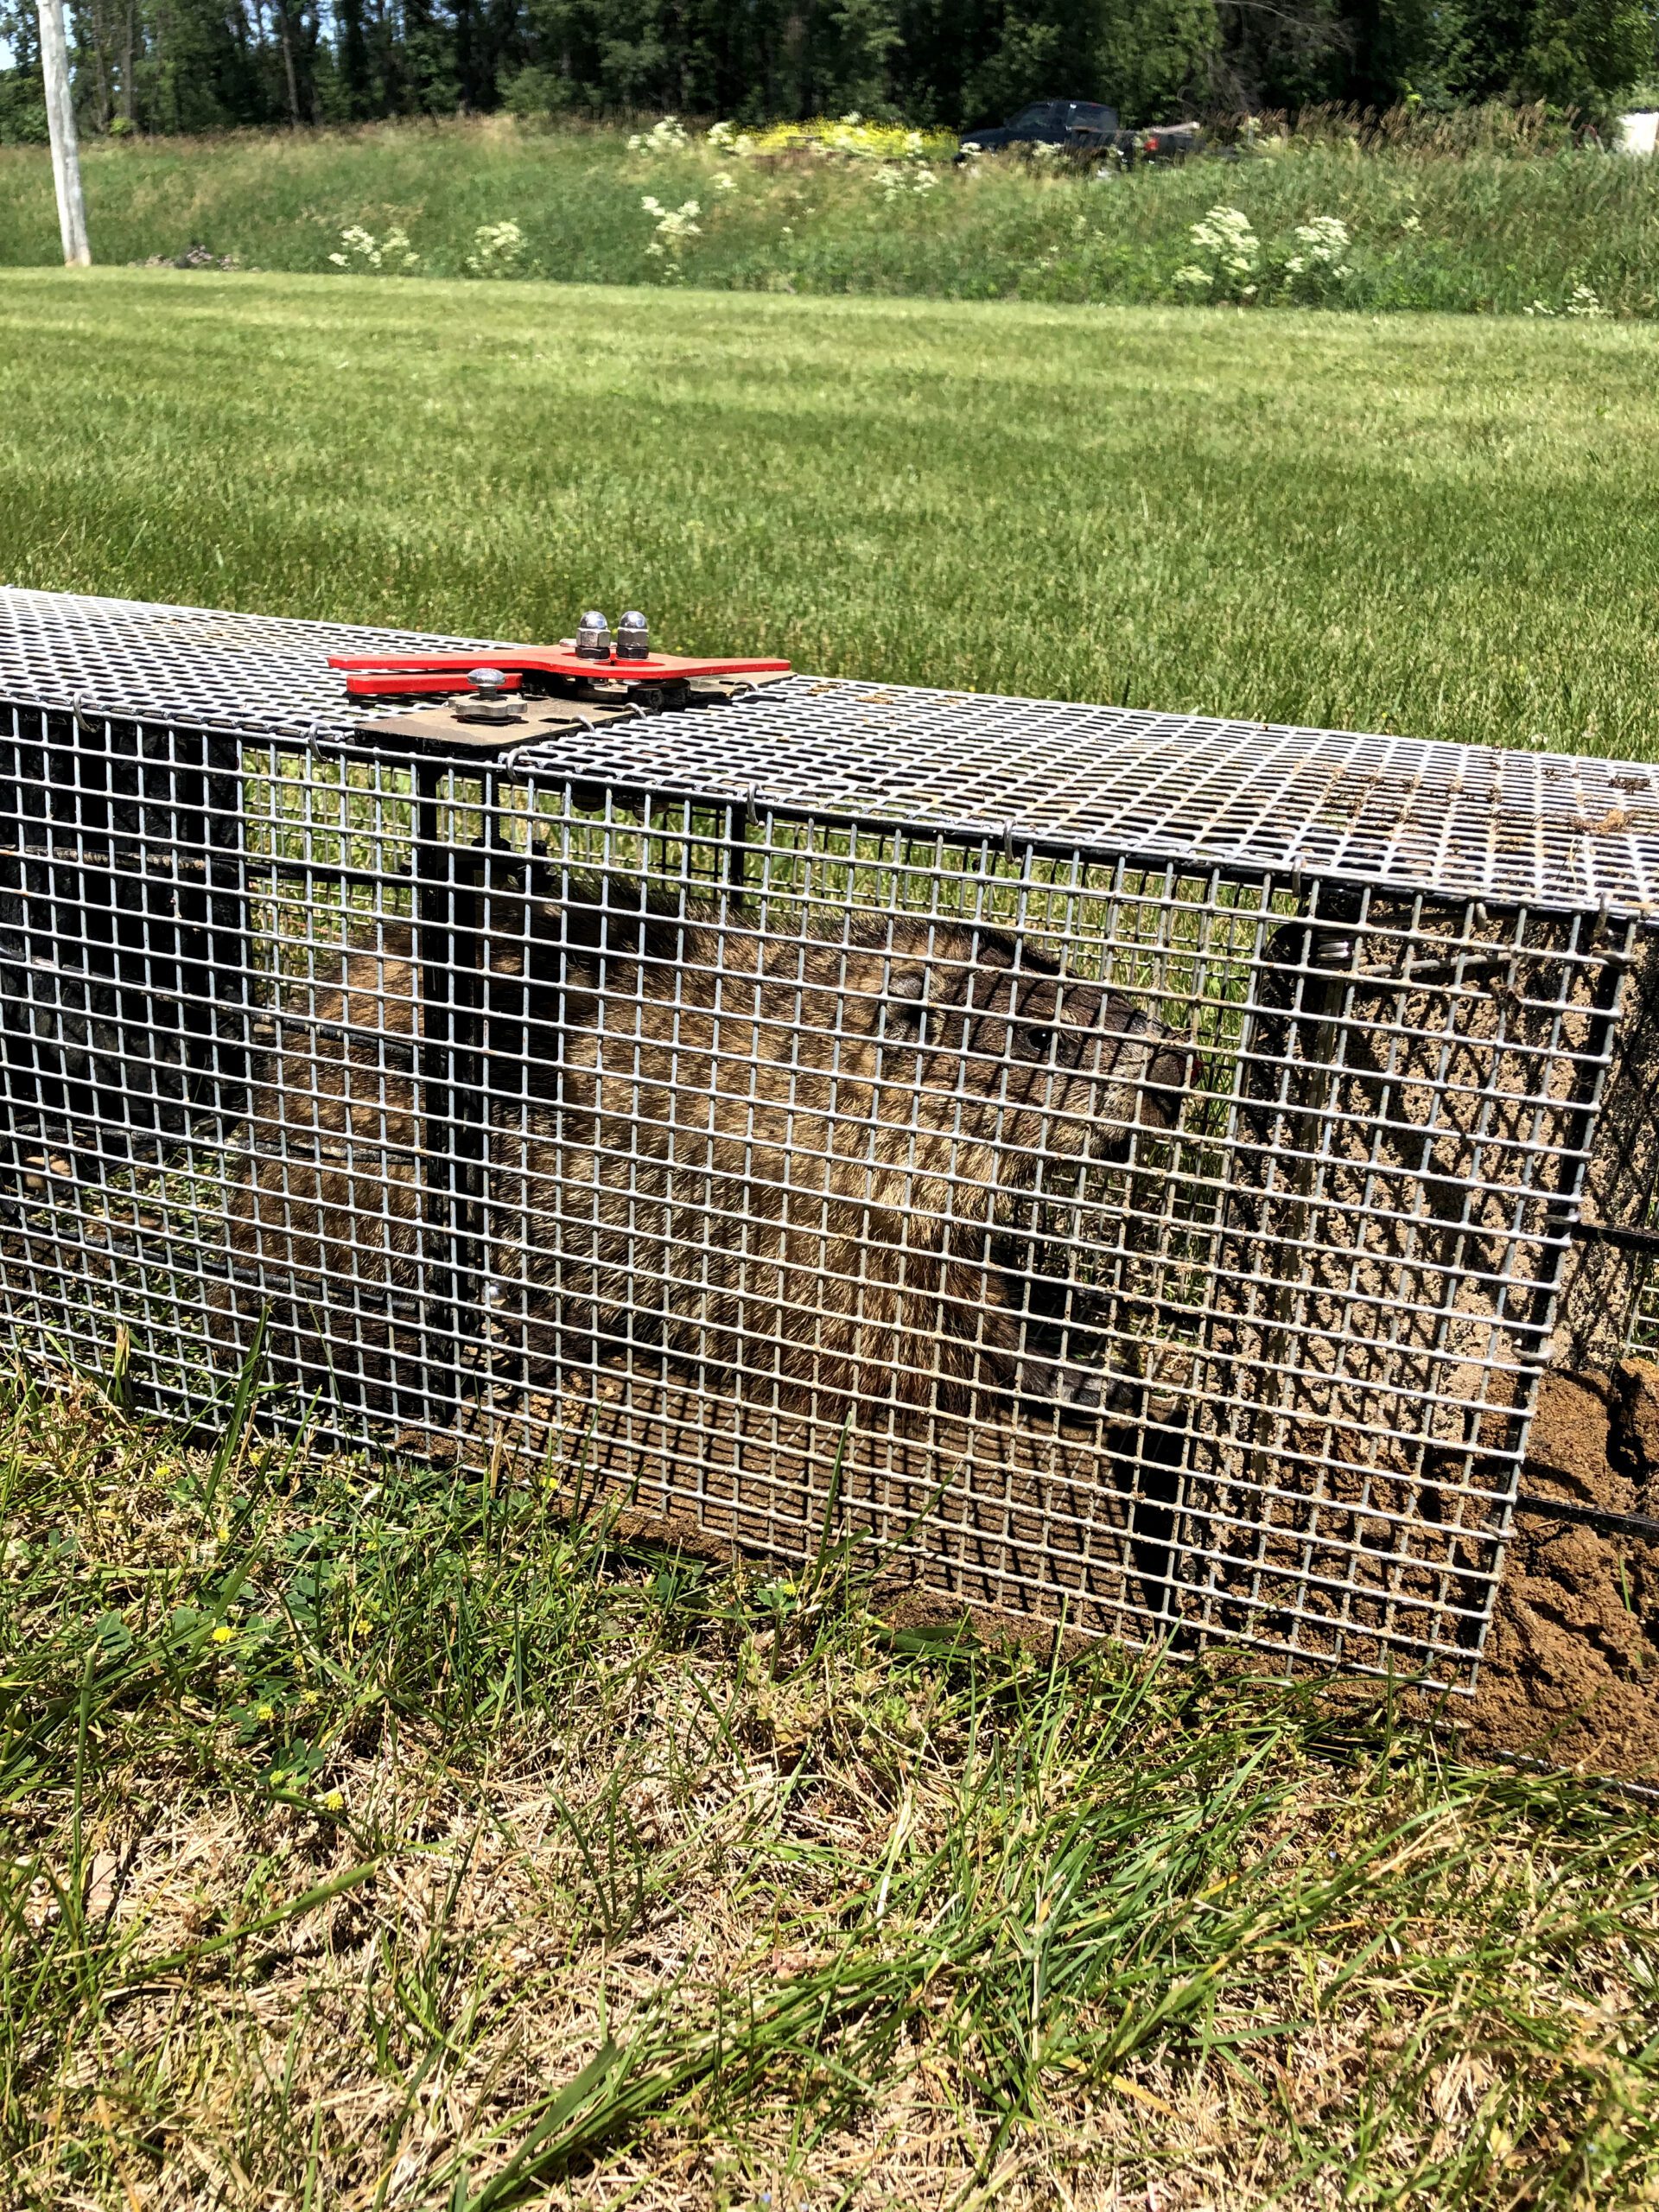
{"x":886,"y":1186}
{"x":775,"y":1158}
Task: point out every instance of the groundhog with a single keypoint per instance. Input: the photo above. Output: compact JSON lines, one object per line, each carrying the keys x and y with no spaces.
{"x":773,"y":1151}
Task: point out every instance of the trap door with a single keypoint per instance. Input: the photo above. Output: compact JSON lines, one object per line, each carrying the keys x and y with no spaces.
{"x":1415,"y":1099}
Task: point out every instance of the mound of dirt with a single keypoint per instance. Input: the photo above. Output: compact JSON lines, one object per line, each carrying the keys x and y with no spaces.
{"x":1571,"y":1674}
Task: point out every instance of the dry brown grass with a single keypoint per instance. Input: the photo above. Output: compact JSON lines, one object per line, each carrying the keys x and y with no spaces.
{"x":489,"y":1860}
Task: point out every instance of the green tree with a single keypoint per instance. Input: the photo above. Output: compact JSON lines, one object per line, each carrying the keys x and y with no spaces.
{"x":1154,"y":55}
{"x":1029,"y":59}
{"x":1586,"y":53}
{"x":1145,"y":57}
{"x":22,"y":96}
{"x":356,"y":91}
{"x":864,"y":33}
{"x":204,"y":65}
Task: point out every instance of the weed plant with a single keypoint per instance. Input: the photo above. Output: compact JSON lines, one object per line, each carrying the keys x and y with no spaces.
{"x":377,"y":1836}
{"x":1480,"y":221}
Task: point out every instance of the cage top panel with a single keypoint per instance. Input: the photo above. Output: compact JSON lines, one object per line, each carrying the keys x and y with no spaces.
{"x":1473,"y":820}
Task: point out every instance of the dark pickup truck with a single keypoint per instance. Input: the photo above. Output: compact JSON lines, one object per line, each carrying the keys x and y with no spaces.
{"x":1085,"y":129}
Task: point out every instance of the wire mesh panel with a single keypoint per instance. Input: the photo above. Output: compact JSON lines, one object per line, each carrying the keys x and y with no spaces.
{"x":1120,"y":1227}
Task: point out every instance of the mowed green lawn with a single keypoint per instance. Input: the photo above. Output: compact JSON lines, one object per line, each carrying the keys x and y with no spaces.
{"x":1444,"y":526}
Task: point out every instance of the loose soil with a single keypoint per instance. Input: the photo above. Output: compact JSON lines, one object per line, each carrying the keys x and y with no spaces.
{"x":1571,"y":1674}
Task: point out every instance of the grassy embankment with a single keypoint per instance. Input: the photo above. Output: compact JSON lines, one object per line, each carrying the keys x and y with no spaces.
{"x":1488,"y":231}
{"x":367,"y":1831}
{"x":1444,"y":527}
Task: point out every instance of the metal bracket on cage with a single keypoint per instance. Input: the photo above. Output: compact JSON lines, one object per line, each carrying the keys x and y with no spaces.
{"x":447,"y":729}
{"x":459,"y":729}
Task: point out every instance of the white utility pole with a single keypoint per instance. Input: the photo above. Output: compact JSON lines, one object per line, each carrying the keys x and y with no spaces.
{"x":61,"y":121}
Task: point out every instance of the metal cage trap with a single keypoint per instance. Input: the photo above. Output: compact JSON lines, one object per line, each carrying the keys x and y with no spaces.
{"x":1131,"y":1168}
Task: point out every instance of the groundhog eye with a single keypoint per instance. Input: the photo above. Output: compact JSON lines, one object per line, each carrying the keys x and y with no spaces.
{"x":1037,"y":1040}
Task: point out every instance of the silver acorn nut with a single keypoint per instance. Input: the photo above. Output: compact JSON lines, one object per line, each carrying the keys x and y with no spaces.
{"x":593,"y":637}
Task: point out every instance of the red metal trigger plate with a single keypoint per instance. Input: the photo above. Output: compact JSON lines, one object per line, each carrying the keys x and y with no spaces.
{"x":386,"y":675}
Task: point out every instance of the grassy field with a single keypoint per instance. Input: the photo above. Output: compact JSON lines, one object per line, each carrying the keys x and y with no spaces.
{"x":379,"y":1840}
{"x":1443,"y":527}
{"x":1481,"y":231}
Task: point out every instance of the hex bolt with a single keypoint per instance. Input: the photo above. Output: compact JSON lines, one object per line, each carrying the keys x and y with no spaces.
{"x":634,"y":637}
{"x":593,"y":637}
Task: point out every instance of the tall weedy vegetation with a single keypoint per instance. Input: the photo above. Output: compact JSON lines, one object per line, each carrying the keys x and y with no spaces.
{"x":1483,"y":214}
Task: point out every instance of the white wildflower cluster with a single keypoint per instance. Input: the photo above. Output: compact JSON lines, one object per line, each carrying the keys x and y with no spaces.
{"x":498,"y":250}
{"x":1323,"y":242}
{"x":1236,"y":266}
{"x":726,"y":139}
{"x":667,"y":136}
{"x":675,"y":227}
{"x":1585,"y":306}
{"x":896,"y":180}
{"x":1234,"y":250}
{"x":1226,"y":232}
{"x":362,"y":249}
{"x":907,"y":173}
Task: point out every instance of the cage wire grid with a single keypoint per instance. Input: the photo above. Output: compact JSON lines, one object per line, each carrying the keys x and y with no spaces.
{"x":1120,"y":1165}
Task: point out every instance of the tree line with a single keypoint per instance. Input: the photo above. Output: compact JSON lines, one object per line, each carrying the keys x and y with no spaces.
{"x":169,"y":66}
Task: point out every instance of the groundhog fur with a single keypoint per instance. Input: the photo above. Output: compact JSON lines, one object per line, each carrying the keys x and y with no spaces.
{"x":778,"y":1156}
